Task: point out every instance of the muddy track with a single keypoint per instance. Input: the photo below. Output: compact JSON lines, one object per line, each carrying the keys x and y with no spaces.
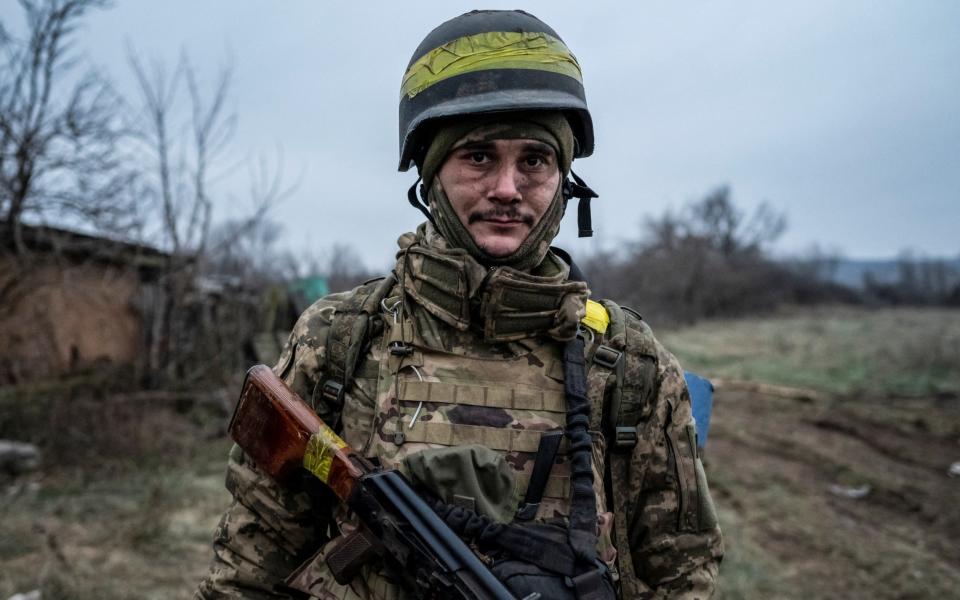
{"x":840,"y":498}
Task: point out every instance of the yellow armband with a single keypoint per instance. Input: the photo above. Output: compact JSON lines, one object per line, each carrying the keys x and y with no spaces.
{"x":597,"y":317}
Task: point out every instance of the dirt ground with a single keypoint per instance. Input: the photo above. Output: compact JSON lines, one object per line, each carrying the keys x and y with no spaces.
{"x":836,"y":497}
{"x":819,"y":498}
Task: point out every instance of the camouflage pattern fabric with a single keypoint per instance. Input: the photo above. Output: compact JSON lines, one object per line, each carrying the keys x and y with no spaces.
{"x":672,"y":529}
{"x":463,"y":389}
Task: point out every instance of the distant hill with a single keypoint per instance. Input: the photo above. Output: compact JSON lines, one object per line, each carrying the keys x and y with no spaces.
{"x":851,"y":273}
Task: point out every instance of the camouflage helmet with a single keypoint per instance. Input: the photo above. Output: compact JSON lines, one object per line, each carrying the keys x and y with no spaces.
{"x":489,"y":61}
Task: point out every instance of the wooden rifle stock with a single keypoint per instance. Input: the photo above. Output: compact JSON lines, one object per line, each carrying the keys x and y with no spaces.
{"x":277,"y":429}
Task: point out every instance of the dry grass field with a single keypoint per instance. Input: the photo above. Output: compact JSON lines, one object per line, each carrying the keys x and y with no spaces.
{"x":830,"y":450}
{"x":832,"y":436}
{"x":843,"y":351}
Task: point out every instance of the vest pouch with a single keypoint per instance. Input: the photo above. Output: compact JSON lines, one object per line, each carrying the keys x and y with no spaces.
{"x":696,"y":511}
{"x":472,"y":476}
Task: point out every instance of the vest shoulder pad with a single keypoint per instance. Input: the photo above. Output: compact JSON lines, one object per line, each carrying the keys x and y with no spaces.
{"x":353,"y":324}
{"x":309,"y":342}
{"x":627,"y":331}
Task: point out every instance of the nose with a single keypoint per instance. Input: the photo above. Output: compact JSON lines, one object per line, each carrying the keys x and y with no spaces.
{"x":506,"y":184}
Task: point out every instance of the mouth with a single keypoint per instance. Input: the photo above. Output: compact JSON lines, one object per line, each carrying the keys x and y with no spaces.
{"x":501,"y":220}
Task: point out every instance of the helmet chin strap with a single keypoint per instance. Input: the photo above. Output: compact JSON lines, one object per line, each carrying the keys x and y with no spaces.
{"x":580,"y":190}
{"x":419,"y":204}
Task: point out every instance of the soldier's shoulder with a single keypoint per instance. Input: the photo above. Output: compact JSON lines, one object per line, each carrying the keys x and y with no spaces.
{"x":628,"y":328}
{"x":636,"y":334}
{"x":311,"y":326}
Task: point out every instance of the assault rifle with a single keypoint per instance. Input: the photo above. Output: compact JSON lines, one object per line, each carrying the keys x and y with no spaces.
{"x":281,"y":434}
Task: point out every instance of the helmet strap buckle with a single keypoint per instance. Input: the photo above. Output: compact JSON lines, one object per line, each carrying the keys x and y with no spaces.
{"x":580,"y":190}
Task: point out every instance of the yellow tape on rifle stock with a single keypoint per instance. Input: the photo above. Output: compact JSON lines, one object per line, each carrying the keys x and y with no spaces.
{"x":320,"y":450}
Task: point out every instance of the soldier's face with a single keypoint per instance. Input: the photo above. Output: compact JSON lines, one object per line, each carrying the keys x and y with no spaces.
{"x":500,"y":189}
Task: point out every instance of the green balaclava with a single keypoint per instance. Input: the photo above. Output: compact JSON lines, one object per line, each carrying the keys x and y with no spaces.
{"x":549,"y":127}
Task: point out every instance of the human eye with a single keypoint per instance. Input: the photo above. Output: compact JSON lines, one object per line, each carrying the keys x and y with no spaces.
{"x":478,"y":157}
{"x":536,"y":161}
{"x":474,"y":157}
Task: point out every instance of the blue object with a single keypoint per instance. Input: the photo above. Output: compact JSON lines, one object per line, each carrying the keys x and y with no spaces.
{"x":701,"y":396}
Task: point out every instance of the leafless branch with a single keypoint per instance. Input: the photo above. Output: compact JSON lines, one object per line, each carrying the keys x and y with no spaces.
{"x":58,"y":133}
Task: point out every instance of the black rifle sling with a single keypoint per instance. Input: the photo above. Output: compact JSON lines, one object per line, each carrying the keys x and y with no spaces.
{"x":542,"y":465}
{"x":583,"y":500}
{"x":590,"y":580}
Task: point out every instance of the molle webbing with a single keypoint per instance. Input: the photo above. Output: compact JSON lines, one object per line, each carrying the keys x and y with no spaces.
{"x":456,"y":434}
{"x":558,"y":486}
{"x":493,"y":396}
{"x":635,"y":372}
{"x":532,"y":542}
{"x":349,"y":335}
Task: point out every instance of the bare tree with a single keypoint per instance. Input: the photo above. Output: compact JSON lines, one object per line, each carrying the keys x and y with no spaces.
{"x":59,"y":128}
{"x":184,"y":134}
{"x":707,"y":260}
{"x":724,"y":227}
{"x":181,"y":165}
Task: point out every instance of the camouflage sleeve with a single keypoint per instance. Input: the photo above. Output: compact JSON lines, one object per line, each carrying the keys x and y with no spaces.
{"x":674,"y":537}
{"x":269,"y":530}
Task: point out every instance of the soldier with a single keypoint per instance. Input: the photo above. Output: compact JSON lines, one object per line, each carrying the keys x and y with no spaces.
{"x":452,"y":368}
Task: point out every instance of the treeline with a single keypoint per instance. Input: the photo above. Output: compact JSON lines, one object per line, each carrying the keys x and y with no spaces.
{"x":707,"y":260}
{"x":918,"y":282}
{"x":711,"y":259}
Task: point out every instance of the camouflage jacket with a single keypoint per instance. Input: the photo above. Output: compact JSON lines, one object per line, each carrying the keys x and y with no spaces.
{"x":268,"y":531}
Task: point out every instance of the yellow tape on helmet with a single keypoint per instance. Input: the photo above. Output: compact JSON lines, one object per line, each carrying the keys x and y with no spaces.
{"x":490,"y":50}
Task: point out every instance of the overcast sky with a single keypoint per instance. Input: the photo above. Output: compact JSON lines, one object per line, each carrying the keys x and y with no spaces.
{"x":844,"y":115}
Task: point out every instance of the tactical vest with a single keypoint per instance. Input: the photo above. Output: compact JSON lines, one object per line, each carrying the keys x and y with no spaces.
{"x":431,"y":398}
{"x":398,"y":396}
